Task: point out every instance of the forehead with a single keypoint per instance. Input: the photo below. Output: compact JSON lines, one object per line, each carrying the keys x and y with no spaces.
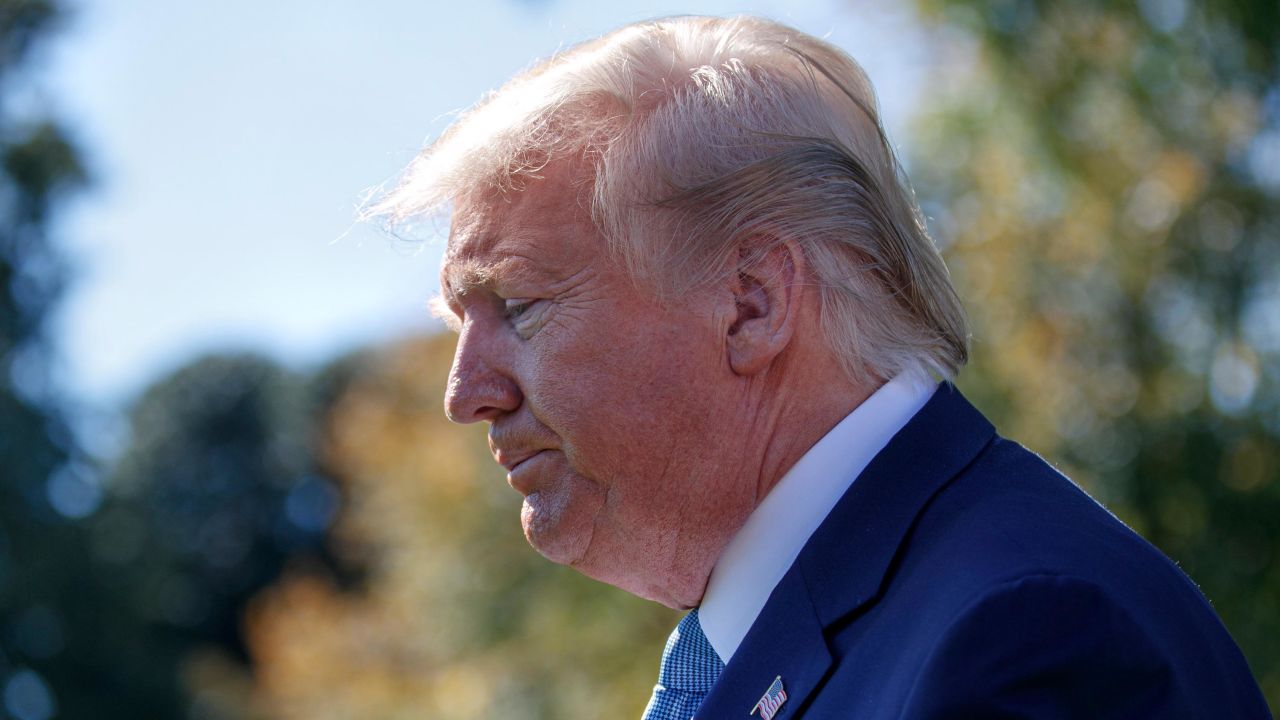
{"x":517,"y":234}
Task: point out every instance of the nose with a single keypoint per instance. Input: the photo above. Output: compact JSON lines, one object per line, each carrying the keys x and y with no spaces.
{"x":480,"y":385}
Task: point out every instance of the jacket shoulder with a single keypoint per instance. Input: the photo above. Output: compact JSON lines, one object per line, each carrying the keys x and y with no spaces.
{"x":1013,"y":568}
{"x":1045,"y":643}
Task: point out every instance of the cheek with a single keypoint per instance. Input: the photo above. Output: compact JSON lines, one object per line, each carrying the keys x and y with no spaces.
{"x":592,"y":410}
{"x":620,"y":384}
{"x":626,"y":409}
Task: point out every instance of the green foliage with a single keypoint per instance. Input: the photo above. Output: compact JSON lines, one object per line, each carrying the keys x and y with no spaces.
{"x":1105,"y":180}
{"x":21,"y":23}
{"x":217,"y":448}
{"x":107,"y":586}
{"x":44,"y":617}
{"x":215,"y":493}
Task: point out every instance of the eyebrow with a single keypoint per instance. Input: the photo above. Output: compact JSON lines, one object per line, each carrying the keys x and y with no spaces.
{"x":464,"y":275}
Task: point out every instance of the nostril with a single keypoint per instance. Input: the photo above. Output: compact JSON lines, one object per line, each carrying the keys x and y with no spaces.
{"x":480,"y":385}
{"x":477,"y":399}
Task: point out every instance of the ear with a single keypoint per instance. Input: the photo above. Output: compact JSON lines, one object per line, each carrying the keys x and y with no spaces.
{"x":766,"y":303}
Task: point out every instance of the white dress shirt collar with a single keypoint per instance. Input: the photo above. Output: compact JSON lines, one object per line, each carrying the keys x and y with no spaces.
{"x":757,"y":557}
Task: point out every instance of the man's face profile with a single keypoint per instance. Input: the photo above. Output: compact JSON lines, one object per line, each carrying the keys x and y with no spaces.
{"x":600,"y":397}
{"x":642,"y":320}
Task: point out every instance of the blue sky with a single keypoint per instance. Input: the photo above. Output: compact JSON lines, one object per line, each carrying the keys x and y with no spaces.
{"x":231,"y":141}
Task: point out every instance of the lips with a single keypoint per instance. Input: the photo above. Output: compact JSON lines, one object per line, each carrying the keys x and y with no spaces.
{"x":517,"y":441}
{"x":521,"y":471}
{"x":512,"y":459}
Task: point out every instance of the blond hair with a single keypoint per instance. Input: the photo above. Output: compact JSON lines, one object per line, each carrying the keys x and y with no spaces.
{"x":705,"y":136}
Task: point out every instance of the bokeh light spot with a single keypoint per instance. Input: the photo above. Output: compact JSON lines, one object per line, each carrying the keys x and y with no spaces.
{"x":1264,"y":160}
{"x":1233,"y":379}
{"x":73,"y":491}
{"x":27,"y":697}
{"x":311,"y":504}
{"x":1248,"y":466}
{"x":1164,"y":15}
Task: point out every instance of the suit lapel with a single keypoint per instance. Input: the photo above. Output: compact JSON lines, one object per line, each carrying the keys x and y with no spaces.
{"x":847,"y":559}
{"x":845,"y":563}
{"x":786,"y":640}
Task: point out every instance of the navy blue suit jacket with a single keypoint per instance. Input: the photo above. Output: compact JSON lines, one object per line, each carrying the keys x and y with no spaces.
{"x":962,"y":577}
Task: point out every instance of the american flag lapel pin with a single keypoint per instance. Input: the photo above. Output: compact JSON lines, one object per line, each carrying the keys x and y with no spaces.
{"x":771,"y":701}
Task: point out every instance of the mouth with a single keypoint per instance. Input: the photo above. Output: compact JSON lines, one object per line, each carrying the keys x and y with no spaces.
{"x":511,"y":461}
{"x":520,"y":472}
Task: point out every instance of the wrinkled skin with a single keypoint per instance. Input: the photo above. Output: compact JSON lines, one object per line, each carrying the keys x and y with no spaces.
{"x":638,"y":435}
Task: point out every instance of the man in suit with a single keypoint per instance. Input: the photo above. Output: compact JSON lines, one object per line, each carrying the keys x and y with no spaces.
{"x":711,"y":338}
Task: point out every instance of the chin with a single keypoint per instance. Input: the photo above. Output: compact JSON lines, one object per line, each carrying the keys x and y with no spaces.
{"x":550,"y":530}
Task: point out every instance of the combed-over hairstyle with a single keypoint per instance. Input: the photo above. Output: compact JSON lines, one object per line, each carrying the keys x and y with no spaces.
{"x":706,"y":138}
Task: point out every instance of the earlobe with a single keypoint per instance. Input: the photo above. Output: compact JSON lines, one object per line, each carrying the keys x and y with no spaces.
{"x":764,"y":314}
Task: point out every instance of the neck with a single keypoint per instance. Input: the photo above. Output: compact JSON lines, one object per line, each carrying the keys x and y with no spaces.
{"x":783,"y":423}
{"x":812,"y":396}
{"x":802,"y":426}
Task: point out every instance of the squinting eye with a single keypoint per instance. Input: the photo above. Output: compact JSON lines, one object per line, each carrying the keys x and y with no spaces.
{"x":513,"y":309}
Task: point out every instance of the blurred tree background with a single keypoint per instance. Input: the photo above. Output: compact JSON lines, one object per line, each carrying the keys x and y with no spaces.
{"x":276,"y":544}
{"x":46,"y":619}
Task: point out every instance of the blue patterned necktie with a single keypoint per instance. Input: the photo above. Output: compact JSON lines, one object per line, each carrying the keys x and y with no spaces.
{"x":690,"y":667}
